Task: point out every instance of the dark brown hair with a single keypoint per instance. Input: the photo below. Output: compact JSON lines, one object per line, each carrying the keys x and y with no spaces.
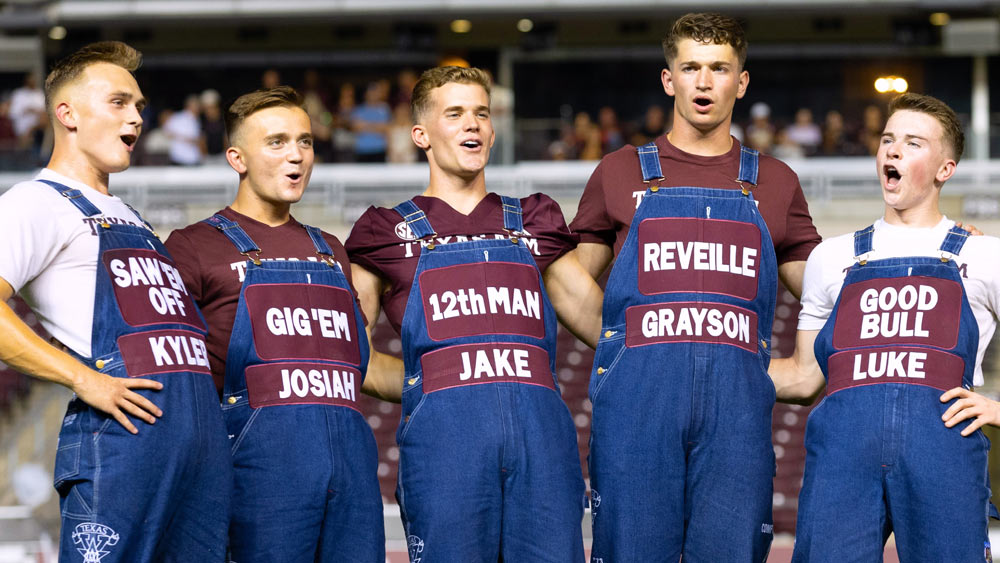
{"x":70,"y":68}
{"x":954,"y":137}
{"x":439,"y":76}
{"x":706,"y":28}
{"x":248,"y":104}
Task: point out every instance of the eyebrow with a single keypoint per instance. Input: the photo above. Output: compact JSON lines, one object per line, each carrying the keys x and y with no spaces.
{"x":908,"y":136}
{"x":462,"y":108}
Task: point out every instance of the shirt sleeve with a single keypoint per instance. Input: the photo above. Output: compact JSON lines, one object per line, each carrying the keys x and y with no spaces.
{"x":592,"y":222}
{"x":817,"y":299}
{"x":544,"y":220}
{"x":361,"y":245}
{"x":183,"y":253}
{"x":29,"y":237}
{"x":801,"y":236}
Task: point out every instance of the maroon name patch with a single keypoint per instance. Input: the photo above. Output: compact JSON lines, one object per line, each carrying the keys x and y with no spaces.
{"x":715,"y":323}
{"x":149,"y":289}
{"x":301,"y":384}
{"x":303,"y":322}
{"x":482,"y":298}
{"x":900,"y":311}
{"x":897,"y":364}
{"x":698,"y":255}
{"x":473,"y":364}
{"x":163,"y":351}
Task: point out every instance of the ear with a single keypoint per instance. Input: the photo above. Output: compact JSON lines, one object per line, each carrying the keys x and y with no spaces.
{"x":744,"y":83}
{"x":235,"y":159}
{"x":945,"y":171}
{"x":668,"y":85}
{"x":419,"y":136}
{"x":65,"y":115}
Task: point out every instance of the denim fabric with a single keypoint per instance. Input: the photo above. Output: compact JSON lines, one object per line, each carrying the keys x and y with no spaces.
{"x":161,"y":495}
{"x":879,"y":459}
{"x":488,"y":467}
{"x":306,"y":484}
{"x":681,"y":461}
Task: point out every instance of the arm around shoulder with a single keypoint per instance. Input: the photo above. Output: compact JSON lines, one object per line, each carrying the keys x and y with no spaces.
{"x":385,"y":372}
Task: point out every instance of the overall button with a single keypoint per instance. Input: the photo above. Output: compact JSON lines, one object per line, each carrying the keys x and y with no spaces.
{"x":607,"y":334}
{"x":411,"y":381}
{"x":232,"y":400}
{"x":600,"y":371}
{"x":99,"y":364}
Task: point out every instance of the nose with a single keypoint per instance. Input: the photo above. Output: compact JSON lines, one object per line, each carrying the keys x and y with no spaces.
{"x":469,"y":122}
{"x":135,"y":118}
{"x":295,"y":153}
{"x":704,"y":79}
{"x":892,"y":149}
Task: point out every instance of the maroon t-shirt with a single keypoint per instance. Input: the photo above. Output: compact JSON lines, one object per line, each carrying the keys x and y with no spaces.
{"x":615,"y":189}
{"x":213,"y":270}
{"x":381,"y":243}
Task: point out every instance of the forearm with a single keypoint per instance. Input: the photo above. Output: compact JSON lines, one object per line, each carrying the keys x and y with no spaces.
{"x":791,"y":274}
{"x":594,"y":257}
{"x":576,"y":298}
{"x":792,"y":385}
{"x":385,"y":377}
{"x":22,"y":349}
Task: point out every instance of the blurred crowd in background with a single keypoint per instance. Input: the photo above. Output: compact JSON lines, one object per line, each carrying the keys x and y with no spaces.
{"x":370,"y":122}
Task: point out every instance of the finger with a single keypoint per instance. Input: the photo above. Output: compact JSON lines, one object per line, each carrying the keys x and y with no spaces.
{"x":973,"y":426}
{"x":136,"y":411}
{"x":952,"y":393}
{"x":124,"y":421}
{"x":959,"y":416}
{"x":954,"y":408}
{"x":142,"y":384}
{"x":143,"y":403}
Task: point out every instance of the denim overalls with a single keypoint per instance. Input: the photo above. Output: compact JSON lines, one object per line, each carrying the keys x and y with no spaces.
{"x":681,"y":460}
{"x":163,"y":494}
{"x":488,"y":456}
{"x":879,"y":458}
{"x":305,"y":462}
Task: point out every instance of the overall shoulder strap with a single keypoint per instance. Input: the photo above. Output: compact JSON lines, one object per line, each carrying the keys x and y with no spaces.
{"x":75,"y":197}
{"x":649,"y":161}
{"x":415,"y":218}
{"x":235,"y":233}
{"x":513,"y":220}
{"x":863,"y":244}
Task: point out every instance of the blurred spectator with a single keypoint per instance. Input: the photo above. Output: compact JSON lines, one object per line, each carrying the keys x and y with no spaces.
{"x":154,"y":146}
{"x":872,"y":125}
{"x":502,"y":116}
{"x":586,"y":138}
{"x":760,"y":133}
{"x":270,"y":78}
{"x":27,"y":112}
{"x":835,"y":141}
{"x":400,"y":142}
{"x":371,"y":123}
{"x":558,"y":150}
{"x":736,"y":131}
{"x":314,"y":101}
{"x":785,"y":148}
{"x":342,"y":135}
{"x":611,"y":134}
{"x":213,"y":128}
{"x":654,"y":124}
{"x":405,"y":81}
{"x":804,"y":132}
{"x":184,"y":130}
{"x":8,"y":138}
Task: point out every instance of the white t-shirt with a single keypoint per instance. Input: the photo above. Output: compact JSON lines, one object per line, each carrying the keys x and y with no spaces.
{"x":26,"y":107}
{"x":48,"y":253}
{"x":184,"y":131}
{"x":979,"y":265}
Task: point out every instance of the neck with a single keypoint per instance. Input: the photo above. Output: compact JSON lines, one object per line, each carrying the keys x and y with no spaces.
{"x":462,"y":194}
{"x":271,"y":214}
{"x":711,"y":142}
{"x":74,"y":165}
{"x":921,"y":217}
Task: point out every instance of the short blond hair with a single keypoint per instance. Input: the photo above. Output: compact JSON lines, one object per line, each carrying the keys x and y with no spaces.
{"x":70,"y":68}
{"x":437,"y":77}
{"x":954,"y":137}
{"x":249,"y":104}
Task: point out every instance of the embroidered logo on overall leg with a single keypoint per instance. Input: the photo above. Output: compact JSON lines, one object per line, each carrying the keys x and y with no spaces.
{"x":415,"y":546}
{"x":595,"y":501}
{"x":92,"y":540}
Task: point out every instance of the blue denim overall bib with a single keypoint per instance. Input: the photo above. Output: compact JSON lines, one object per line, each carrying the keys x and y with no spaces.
{"x":163,"y":494}
{"x":879,"y":459}
{"x":488,"y":462}
{"x":681,"y":460}
{"x":304,"y":458}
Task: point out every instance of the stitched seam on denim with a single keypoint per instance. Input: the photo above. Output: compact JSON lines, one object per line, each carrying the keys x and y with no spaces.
{"x":245,"y":430}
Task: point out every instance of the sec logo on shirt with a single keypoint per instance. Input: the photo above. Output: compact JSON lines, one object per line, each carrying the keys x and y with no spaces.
{"x":404,"y":232}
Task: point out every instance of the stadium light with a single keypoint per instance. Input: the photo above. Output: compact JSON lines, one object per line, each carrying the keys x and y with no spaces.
{"x":461,"y":26}
{"x":940,"y":19}
{"x":57,"y":33}
{"x":525,"y":25}
{"x":885,"y":84}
